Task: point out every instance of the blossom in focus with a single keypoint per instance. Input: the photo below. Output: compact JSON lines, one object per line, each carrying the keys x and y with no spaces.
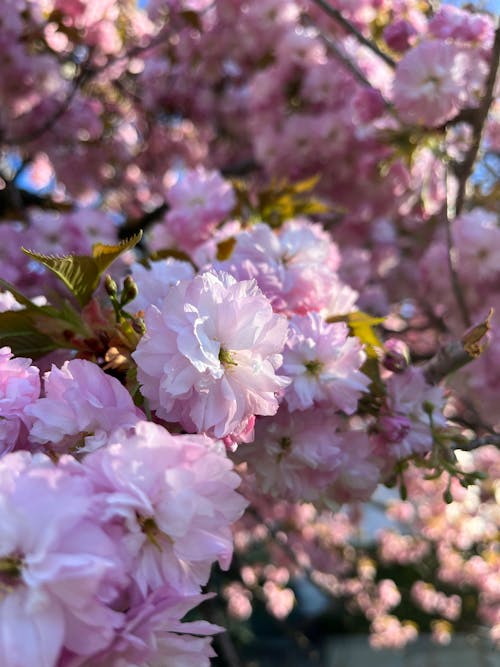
{"x":324,"y":364}
{"x":175,"y":497}
{"x":81,"y":406}
{"x":210,"y":353}
{"x":295,"y":267}
{"x":60,"y":570}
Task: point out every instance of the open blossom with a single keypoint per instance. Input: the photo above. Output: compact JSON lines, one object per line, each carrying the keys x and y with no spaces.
{"x":433,"y":82}
{"x":324,"y":365}
{"x":210,"y":353}
{"x":153,"y":633}
{"x":454,"y":23}
{"x":153,"y":282}
{"x":307,"y":456}
{"x":82,"y":405}
{"x":19,"y":388}
{"x":198,"y":201}
{"x":176,"y":499}
{"x":295,"y":267}
{"x":60,"y":571}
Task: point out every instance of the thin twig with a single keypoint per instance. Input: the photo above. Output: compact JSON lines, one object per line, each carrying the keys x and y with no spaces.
{"x":455,"y":280}
{"x":223,"y":640}
{"x":464,"y":169}
{"x":349,"y":27}
{"x":483,"y":441}
{"x":86,"y":74}
{"x":52,"y":120}
{"x":346,"y":62}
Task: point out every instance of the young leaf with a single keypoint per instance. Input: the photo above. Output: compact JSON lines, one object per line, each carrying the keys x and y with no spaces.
{"x":79,"y":273}
{"x":105,"y":255}
{"x":19,"y":332}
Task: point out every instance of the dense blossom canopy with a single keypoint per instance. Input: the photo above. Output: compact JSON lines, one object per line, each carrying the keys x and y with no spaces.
{"x":259,"y":288}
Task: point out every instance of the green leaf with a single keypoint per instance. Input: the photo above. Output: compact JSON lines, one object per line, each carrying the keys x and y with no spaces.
{"x":19,"y":332}
{"x":81,"y":273}
{"x":105,"y":255}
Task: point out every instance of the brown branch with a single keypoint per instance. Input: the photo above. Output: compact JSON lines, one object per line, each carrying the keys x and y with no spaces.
{"x":448,"y":359}
{"x":464,"y":169}
{"x":350,"y":28}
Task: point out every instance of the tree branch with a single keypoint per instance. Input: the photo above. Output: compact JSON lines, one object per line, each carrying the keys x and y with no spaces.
{"x":483,"y":441}
{"x":448,"y":359}
{"x":345,"y":61}
{"x":464,"y":169}
{"x":350,"y":28}
{"x":455,"y":280}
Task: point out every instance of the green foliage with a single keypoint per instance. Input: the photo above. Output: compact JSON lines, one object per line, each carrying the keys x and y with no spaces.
{"x":18,"y":331}
{"x":81,"y":273}
{"x":279,"y":202}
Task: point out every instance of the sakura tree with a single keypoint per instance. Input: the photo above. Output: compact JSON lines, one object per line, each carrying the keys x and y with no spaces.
{"x":250,"y":255}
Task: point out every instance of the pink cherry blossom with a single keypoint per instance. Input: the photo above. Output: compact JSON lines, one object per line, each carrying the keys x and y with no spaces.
{"x":176,"y":499}
{"x":324,"y":365}
{"x":81,"y":406}
{"x":210,"y":354}
{"x":19,"y":388}
{"x":60,"y":570}
{"x":431,"y":83}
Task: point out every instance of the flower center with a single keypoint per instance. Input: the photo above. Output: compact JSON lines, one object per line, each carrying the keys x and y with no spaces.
{"x":151,"y":530}
{"x":10,"y":570}
{"x":226,"y":358}
{"x":313,"y":367}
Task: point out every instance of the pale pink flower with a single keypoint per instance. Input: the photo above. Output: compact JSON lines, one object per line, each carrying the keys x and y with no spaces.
{"x":19,"y":388}
{"x":476,"y":237}
{"x":175,"y":497}
{"x":154,"y":282}
{"x":307,"y":456}
{"x":324,"y":364}
{"x":294,"y":267}
{"x":82,"y":405}
{"x":153,"y":632}
{"x":60,"y":570}
{"x":199,"y":200}
{"x":464,"y":26}
{"x":210,"y":354}
{"x":295,"y":456}
{"x":430,"y":86}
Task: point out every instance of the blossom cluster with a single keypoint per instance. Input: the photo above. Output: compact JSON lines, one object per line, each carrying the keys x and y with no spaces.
{"x":127,"y":522}
{"x":272,"y":338}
